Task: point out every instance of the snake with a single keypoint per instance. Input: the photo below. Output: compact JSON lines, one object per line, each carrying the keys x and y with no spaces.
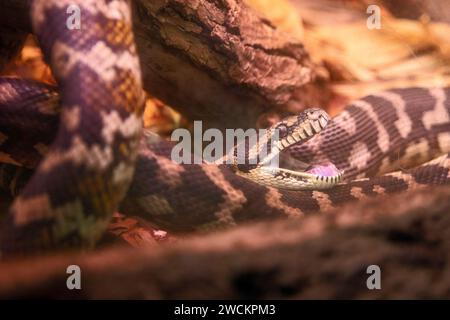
{"x":281,"y":136}
{"x":90,"y":162}
{"x":75,"y":153}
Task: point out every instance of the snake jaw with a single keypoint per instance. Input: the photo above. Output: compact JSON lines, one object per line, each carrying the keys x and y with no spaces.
{"x":294,"y":130}
{"x":301,"y":128}
{"x":326,"y":175}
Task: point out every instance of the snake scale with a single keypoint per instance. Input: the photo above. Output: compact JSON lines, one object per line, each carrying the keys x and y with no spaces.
{"x":77,"y":153}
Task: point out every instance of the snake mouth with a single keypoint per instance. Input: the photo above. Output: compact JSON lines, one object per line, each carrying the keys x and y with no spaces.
{"x":295,"y":174}
{"x":304,"y":130}
{"x":313,"y":177}
{"x":326,"y":172}
{"x":295,"y":130}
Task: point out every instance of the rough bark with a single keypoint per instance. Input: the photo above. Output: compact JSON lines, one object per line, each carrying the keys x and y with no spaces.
{"x":324,"y":256}
{"x":213,"y":60}
{"x":226,"y":64}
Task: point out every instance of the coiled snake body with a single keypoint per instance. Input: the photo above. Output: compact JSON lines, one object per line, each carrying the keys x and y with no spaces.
{"x":86,"y":171}
{"x":89,"y":165}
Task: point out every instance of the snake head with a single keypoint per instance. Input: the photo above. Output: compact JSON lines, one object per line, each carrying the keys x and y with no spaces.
{"x":291,"y":131}
{"x":299,"y":128}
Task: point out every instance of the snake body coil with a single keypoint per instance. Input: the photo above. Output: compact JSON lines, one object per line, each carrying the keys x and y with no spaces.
{"x":89,"y":165}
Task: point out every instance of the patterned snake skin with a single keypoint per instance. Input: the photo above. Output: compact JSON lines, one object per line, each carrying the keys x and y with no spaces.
{"x":89,"y":165}
{"x":86,"y":169}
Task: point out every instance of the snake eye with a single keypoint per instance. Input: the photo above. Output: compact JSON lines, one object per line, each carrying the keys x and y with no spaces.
{"x":312,"y":114}
{"x":282,"y":130}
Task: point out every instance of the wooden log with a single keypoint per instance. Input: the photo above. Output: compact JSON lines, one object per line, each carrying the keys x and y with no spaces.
{"x":324,"y":256}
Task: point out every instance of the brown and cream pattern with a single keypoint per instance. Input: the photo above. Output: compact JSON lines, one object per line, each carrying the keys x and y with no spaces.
{"x":89,"y":164}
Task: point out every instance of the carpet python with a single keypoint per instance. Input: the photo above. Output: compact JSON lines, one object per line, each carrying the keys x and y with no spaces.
{"x":89,"y":164}
{"x":77,"y":153}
